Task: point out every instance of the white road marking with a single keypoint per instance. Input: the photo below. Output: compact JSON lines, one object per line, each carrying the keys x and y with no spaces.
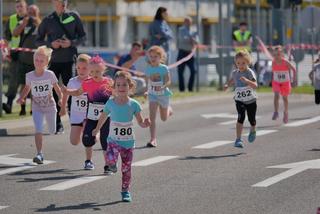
{"x":221,"y":115}
{"x":234,"y":121}
{"x":153,"y":160}
{"x":73,"y":183}
{"x":303,"y":122}
{"x":294,"y":168}
{"x":3,"y":207}
{"x":263,"y":132}
{"x":11,"y":161}
{"x":212,"y":145}
{"x":15,"y":169}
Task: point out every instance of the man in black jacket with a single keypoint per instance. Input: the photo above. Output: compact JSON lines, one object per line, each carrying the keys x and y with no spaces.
{"x":62,"y":31}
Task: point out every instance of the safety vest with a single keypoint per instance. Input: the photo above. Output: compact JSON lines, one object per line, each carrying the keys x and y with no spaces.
{"x":242,"y":38}
{"x":13,"y":22}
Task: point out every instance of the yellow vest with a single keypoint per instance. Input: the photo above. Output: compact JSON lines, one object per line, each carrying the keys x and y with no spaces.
{"x":243,"y":38}
{"x":13,"y":23}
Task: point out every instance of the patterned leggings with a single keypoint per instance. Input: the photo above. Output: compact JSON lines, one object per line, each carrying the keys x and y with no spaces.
{"x":126,"y":157}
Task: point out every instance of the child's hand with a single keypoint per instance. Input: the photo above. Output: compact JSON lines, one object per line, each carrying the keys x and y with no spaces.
{"x":60,"y":102}
{"x":95,"y":132}
{"x":64,"y":89}
{"x":21,"y":101}
{"x":62,"y":112}
{"x":146,"y":123}
{"x":145,"y":95}
{"x":243,"y":79}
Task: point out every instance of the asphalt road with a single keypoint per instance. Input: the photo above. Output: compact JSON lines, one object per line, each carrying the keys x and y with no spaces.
{"x":215,"y":178}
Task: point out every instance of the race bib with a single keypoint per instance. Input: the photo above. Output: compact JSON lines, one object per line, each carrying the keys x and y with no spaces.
{"x":79,"y":103}
{"x":155,"y":88}
{"x":41,"y":88}
{"x":244,"y":94}
{"x":121,"y":131}
{"x":94,"y":111}
{"x":281,"y":76}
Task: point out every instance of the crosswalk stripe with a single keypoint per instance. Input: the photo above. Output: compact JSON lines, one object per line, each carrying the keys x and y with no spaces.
{"x":221,"y":115}
{"x":3,"y":207}
{"x":212,"y":145}
{"x":263,"y":132}
{"x":15,"y":169}
{"x":303,"y":122}
{"x":73,"y":183}
{"x":153,"y":160}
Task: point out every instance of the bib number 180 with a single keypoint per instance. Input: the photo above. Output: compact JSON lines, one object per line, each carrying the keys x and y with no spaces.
{"x":123,"y":131}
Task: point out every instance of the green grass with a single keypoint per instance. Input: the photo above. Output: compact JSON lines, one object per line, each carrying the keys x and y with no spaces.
{"x":15,"y":113}
{"x":304,"y":89}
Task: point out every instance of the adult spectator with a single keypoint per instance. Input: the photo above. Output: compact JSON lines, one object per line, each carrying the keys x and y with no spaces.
{"x":129,"y":60}
{"x":13,"y":38}
{"x":186,"y":41}
{"x":159,"y":31}
{"x":28,"y":32}
{"x":242,"y":38}
{"x":62,"y":31}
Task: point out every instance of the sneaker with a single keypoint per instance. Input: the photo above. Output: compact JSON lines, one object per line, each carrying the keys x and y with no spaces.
{"x":59,"y":129}
{"x":252,"y":136}
{"x":6,"y":108}
{"x":285,"y":117}
{"x":110,"y":170}
{"x":88,"y":165}
{"x":238,"y":143}
{"x":38,"y":159}
{"x":152,"y":144}
{"x":126,"y":196}
{"x":275,"y":116}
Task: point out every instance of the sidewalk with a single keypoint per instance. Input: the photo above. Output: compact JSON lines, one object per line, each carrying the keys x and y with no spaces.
{"x":24,"y":125}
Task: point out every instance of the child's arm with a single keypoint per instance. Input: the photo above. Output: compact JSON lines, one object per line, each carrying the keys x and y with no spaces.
{"x":167,"y":80}
{"x":57,"y":89}
{"x":229,"y":83}
{"x":311,"y":75}
{"x":147,"y":84}
{"x":101,"y":121}
{"x":292,"y":68}
{"x":72,"y":92}
{"x":144,"y":123}
{"x":24,"y":93}
{"x":65,"y":98}
{"x":251,"y":83}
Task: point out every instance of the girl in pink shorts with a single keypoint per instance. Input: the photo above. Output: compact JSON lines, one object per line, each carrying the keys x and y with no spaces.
{"x":281,"y":82}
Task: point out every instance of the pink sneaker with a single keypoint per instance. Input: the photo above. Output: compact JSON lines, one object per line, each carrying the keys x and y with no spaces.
{"x":285,"y":117}
{"x":275,"y":115}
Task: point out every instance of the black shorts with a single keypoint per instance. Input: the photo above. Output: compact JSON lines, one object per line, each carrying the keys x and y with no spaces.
{"x":77,"y":124}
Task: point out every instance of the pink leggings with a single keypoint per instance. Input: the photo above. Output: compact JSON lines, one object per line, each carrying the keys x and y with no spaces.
{"x":126,"y":155}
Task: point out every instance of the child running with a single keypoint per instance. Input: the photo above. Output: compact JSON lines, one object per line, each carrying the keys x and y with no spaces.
{"x":245,"y":81}
{"x":314,"y":76}
{"x":99,"y":90}
{"x":281,"y":82}
{"x":40,"y":82}
{"x":79,"y":104}
{"x":121,"y":109}
{"x":158,"y":80}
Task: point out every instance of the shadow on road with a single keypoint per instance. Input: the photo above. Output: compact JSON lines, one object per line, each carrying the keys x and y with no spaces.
{"x":93,"y":206}
{"x":64,"y":171}
{"x":211,"y":157}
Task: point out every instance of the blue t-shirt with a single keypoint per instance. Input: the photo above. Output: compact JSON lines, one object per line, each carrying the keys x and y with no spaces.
{"x":156,"y":76}
{"x":121,"y":117}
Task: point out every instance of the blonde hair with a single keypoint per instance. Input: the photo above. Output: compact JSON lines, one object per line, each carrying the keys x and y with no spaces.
{"x":127,"y":76}
{"x":245,"y":55}
{"x":83,"y":58}
{"x":45,"y":51}
{"x":160,"y":51}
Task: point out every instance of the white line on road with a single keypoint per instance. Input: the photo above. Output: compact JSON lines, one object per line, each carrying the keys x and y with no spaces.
{"x":15,"y":169}
{"x":233,"y":121}
{"x":153,"y":160}
{"x":263,"y":132}
{"x":73,"y":183}
{"x":303,"y":122}
{"x":212,"y":145}
{"x":12,"y":161}
{"x":221,"y":115}
{"x":3,"y":207}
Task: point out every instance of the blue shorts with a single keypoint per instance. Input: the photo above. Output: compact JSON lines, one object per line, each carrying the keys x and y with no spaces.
{"x":163,"y":101}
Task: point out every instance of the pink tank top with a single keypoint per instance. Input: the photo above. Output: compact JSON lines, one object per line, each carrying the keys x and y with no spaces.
{"x":281,"y":72}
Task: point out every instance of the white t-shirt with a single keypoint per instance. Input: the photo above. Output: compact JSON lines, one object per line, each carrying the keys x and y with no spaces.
{"x":79,"y":104}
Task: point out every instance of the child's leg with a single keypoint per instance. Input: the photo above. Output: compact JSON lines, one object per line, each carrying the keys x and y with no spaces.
{"x":241,"y":109}
{"x":165,"y":113}
{"x":75,"y":134}
{"x":112,"y":154}
{"x":317,"y":96}
{"x":153,"y":107}
{"x":104,"y":132}
{"x":126,"y":157}
{"x":285,"y":103}
{"x":87,"y":139}
{"x":251,"y":112}
{"x":38,"y":124}
{"x":276,"y":101}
